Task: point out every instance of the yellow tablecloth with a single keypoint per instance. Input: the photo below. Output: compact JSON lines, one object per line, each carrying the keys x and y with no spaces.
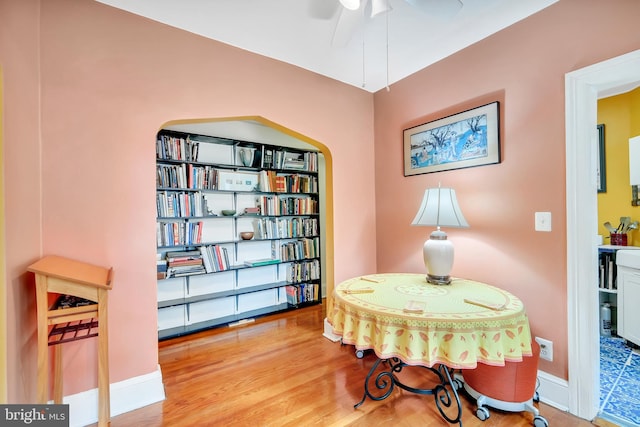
{"x":369,"y":312}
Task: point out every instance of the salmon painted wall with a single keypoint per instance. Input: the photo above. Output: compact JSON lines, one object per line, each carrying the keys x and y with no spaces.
{"x":621,"y":118}
{"x":523,"y":67}
{"x":108,"y":81}
{"x":19,"y":33}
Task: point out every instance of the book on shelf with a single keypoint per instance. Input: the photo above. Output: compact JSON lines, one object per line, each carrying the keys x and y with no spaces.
{"x":267,"y":157}
{"x":263,"y":261}
{"x":208,"y":266}
{"x":195,"y":261}
{"x":257,"y":159}
{"x":302,"y":293}
{"x":182,"y":255}
{"x":280,"y":184}
{"x":252,"y":210}
{"x":162,"y":268}
{"x":607,"y":271}
{"x":215,"y":258}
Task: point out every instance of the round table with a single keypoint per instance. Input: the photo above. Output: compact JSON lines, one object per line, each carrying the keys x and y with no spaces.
{"x":405,"y":319}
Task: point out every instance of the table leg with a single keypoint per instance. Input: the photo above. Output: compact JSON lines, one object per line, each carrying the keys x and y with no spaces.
{"x":383,"y":380}
{"x":445,"y":392}
{"x":443,"y":396}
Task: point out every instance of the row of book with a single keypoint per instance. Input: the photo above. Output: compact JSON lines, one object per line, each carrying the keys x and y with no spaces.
{"x":171,"y":204}
{"x":286,"y":159}
{"x":284,"y":205}
{"x":300,"y":249}
{"x":283,"y":228}
{"x":215,"y":258}
{"x":190,"y":176}
{"x":174,"y":148}
{"x":178,"y":233}
{"x":607,"y":270}
{"x":169,"y":147}
{"x":270,"y":181}
{"x":186,"y":176}
{"x":305,"y":271}
{"x":304,"y":292}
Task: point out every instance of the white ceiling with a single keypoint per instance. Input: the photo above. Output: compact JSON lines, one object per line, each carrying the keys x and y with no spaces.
{"x":290,"y":31}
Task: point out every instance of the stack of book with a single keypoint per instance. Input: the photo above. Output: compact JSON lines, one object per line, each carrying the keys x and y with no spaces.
{"x":293,"y":161}
{"x":184,"y":263}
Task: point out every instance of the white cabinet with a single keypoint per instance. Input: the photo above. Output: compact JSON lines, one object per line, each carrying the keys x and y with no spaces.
{"x":628,"y":262}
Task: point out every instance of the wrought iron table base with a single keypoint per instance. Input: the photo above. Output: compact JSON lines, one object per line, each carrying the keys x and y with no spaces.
{"x":444,"y":393}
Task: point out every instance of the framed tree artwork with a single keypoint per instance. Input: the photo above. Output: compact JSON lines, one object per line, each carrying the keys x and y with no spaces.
{"x":466,"y":139}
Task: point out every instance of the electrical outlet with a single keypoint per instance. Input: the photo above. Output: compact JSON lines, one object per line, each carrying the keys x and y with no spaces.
{"x":546,"y":349}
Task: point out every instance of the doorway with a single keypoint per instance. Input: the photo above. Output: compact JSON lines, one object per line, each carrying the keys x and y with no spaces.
{"x":582,"y":89}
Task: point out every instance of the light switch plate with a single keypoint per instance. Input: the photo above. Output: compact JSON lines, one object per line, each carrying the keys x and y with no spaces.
{"x":543,"y":221}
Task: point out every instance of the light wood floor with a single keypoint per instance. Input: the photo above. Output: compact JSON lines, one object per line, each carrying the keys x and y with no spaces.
{"x":281,"y":371}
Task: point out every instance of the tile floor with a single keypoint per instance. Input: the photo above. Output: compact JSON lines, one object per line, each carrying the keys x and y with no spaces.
{"x":619,"y":382}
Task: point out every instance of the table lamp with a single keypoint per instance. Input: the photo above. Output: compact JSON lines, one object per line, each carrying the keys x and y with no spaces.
{"x":439,"y":208}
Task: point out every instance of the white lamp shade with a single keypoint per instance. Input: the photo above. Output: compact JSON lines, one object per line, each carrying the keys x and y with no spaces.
{"x":440,"y":207}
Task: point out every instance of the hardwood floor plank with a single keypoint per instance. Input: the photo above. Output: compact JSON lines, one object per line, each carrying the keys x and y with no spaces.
{"x":281,"y":372}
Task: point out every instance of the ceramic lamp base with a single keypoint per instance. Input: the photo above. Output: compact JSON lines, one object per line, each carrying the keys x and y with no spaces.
{"x":438,"y":258}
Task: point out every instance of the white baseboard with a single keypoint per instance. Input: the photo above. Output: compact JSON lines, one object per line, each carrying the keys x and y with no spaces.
{"x":328,"y":332}
{"x":553,"y":391}
{"x":125,"y":396}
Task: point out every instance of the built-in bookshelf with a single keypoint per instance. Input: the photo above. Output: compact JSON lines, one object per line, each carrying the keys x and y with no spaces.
{"x":210,"y":192}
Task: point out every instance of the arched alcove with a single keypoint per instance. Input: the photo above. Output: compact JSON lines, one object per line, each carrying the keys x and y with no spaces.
{"x":260,"y":130}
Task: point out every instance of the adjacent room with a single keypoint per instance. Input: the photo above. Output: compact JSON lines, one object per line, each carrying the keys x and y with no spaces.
{"x":437,"y":187}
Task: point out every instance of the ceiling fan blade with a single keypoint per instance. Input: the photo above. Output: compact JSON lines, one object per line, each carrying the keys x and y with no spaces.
{"x":346,"y":26}
{"x":351,"y":4}
{"x":323,"y":9}
{"x":438,"y":8}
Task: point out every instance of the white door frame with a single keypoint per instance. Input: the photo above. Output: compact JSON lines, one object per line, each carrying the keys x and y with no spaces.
{"x":582,"y":89}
